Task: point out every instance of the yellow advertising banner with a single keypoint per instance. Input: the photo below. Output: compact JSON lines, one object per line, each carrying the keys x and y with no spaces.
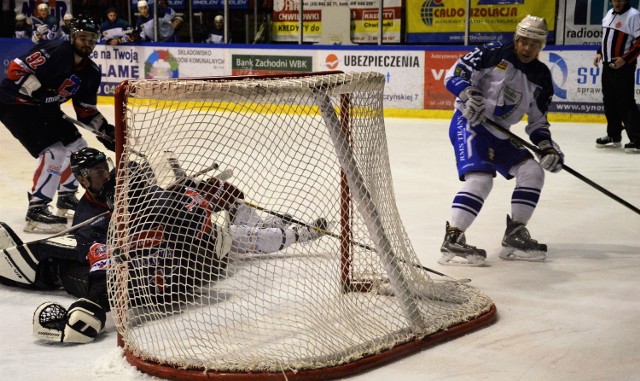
{"x":443,"y":21}
{"x":362,"y":23}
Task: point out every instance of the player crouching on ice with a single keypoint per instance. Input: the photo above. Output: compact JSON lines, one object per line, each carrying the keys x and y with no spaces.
{"x":37,"y":83}
{"x":498,"y":84}
{"x":187,"y":209}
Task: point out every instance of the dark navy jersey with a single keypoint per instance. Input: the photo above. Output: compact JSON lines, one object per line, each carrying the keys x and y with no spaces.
{"x":96,"y":231}
{"x":52,"y":62}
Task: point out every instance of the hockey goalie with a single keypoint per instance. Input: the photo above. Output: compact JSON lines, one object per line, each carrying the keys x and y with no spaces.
{"x":209,"y":217}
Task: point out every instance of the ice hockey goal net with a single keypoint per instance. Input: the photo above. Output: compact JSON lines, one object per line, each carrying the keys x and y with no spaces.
{"x":306,"y":145}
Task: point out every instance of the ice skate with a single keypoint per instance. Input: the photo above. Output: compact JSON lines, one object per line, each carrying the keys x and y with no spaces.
{"x":311,"y":232}
{"x":517,"y":244}
{"x":608,"y":142}
{"x":66,"y":204}
{"x":40,"y":219}
{"x":456,"y":252}
{"x":632,"y":147}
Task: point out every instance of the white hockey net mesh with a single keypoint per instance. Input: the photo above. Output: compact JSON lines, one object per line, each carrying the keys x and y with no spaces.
{"x":311,"y":147}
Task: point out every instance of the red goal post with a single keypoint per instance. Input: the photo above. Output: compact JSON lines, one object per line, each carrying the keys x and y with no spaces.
{"x":308,"y":145}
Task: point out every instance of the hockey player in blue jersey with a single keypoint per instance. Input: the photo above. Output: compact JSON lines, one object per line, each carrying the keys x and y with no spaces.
{"x":501,"y":83}
{"x":46,"y":27}
{"x":114,"y":30}
{"x":37,"y":83}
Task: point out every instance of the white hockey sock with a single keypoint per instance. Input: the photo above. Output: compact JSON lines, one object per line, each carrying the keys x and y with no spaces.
{"x":469,"y":200}
{"x":247,"y":239}
{"x":529,"y":182}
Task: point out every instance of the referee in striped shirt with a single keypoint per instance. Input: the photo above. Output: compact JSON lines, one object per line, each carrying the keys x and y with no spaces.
{"x":619,"y":52}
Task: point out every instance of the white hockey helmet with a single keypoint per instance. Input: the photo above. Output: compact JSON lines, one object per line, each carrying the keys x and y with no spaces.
{"x":532,"y":27}
{"x":21,"y":17}
{"x":67,"y":17}
{"x":142,"y":4}
{"x":42,"y":6}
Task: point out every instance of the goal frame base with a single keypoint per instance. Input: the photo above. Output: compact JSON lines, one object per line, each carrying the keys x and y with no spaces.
{"x":328,"y":373}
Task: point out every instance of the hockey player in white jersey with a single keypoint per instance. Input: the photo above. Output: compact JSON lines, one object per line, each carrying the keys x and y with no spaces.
{"x":500,"y":82}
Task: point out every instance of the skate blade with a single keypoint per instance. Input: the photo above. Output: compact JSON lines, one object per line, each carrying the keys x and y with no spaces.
{"x":512,"y":254}
{"x":40,"y":228}
{"x":66,"y":213}
{"x":610,"y":145}
{"x":454,"y":260}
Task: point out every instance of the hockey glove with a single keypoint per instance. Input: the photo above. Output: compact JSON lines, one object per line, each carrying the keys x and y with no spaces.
{"x":473,"y":105}
{"x":80,"y":324}
{"x":49,"y":101}
{"x":221,"y":194}
{"x":551,"y":157}
{"x":106,"y":131}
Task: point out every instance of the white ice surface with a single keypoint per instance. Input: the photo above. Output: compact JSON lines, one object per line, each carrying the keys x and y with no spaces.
{"x":574,"y":317}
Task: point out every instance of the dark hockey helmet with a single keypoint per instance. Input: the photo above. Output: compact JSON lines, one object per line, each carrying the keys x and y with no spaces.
{"x":85,"y":24}
{"x":85,"y":159}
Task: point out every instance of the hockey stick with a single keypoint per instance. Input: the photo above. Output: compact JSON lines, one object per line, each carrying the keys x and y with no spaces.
{"x":87,"y":127}
{"x":331,"y":234}
{"x":539,"y":152}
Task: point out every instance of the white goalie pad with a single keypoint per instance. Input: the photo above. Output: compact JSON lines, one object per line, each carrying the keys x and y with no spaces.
{"x":18,"y":264}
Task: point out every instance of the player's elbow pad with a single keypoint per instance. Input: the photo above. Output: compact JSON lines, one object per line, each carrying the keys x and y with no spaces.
{"x":30,"y":85}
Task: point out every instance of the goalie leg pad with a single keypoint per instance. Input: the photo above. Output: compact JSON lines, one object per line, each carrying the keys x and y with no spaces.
{"x":80,"y":324}
{"x":18,"y":266}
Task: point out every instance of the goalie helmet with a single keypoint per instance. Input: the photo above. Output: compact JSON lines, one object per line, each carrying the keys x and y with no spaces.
{"x":85,"y":159}
{"x":532,"y":27}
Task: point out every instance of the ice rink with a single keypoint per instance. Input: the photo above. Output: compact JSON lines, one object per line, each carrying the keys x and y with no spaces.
{"x":573,"y":317}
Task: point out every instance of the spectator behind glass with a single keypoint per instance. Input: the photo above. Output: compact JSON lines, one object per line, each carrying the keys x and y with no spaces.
{"x":115,"y":30}
{"x":65,"y":29}
{"x":45,"y":26}
{"x":217,"y":34}
{"x":168,"y":22}
{"x":144,"y":23}
{"x":22,"y":29}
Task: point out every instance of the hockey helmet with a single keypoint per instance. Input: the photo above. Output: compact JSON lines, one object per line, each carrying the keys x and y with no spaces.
{"x":142,"y":4}
{"x":42,"y":6}
{"x":532,"y":27}
{"x":83,"y":160}
{"x":67,"y":17}
{"x":85,"y":24}
{"x":21,"y":17}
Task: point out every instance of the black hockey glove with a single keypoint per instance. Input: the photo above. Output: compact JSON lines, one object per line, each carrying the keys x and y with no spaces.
{"x":110,"y":131}
{"x":552,"y":157}
{"x":49,"y":104}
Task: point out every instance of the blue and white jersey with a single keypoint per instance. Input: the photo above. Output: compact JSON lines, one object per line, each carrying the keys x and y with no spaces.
{"x":165,"y":27}
{"x":117,"y":30}
{"x":45,"y":30}
{"x":24,"y":33}
{"x":145,"y":26}
{"x":511,"y":89}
